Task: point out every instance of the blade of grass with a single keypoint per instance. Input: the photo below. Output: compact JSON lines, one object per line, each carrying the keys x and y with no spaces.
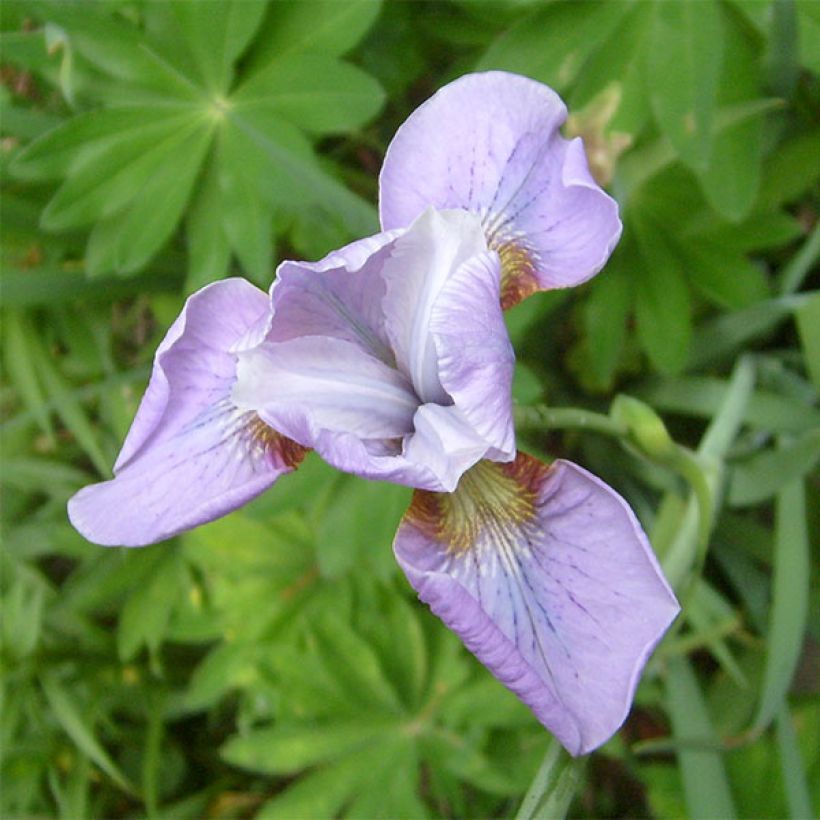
{"x":681,"y":555}
{"x":801,"y":264}
{"x":790,"y":600}
{"x":791,"y":764}
{"x":705,"y":783}
{"x":553,"y":786}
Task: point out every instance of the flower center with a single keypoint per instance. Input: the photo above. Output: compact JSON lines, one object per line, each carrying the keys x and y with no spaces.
{"x":491,"y":499}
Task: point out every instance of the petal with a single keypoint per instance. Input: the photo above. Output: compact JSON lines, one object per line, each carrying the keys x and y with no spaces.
{"x":193,"y":355}
{"x":306,"y":385}
{"x":547,"y":577}
{"x":339,"y":296}
{"x":475,"y":357}
{"x":190,"y":455}
{"x":421,"y":263}
{"x":489,"y":143}
{"x":445,"y":442}
{"x":218,"y":462}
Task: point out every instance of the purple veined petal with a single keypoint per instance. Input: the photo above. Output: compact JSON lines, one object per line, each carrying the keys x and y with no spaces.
{"x":474,"y":354}
{"x":191,"y":455}
{"x":340,"y":296}
{"x":422,"y":261}
{"x":211,"y":322}
{"x":489,"y":143}
{"x":547,"y":577}
{"x":314,"y":383}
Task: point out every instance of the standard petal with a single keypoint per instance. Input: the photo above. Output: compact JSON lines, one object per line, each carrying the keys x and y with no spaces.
{"x":475,"y":357}
{"x":421,"y":263}
{"x":547,"y":577}
{"x":489,"y":143}
{"x":339,"y":296}
{"x":190,"y":455}
{"x":306,"y":385}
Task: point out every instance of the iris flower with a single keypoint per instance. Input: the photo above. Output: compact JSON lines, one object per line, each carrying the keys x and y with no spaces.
{"x":391,"y":360}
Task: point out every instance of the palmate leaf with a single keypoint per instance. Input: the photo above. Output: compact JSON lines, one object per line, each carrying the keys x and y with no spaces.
{"x":364,"y":699}
{"x":179,"y":131}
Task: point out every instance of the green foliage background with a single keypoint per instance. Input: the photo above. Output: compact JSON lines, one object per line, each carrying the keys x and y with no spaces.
{"x":274,"y":663}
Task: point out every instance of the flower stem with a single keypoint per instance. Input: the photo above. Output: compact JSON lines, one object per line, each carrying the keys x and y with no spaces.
{"x":539,"y":416}
{"x":553,"y":786}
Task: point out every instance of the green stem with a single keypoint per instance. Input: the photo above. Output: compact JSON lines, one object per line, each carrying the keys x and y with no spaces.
{"x":553,"y":786}
{"x":541,"y":417}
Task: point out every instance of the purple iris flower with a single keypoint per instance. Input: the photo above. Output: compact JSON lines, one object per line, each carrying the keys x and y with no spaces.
{"x":390,"y":358}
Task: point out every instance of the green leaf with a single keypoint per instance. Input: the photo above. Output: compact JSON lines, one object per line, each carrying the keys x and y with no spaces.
{"x":19,"y":362}
{"x":684,"y":61}
{"x":289,"y":749}
{"x":322,"y":793}
{"x":290,"y":176}
{"x":790,"y":600}
{"x":605,"y":318}
{"x":105,"y":182}
{"x":765,"y":474}
{"x":732,"y":176}
{"x":318,"y":26}
{"x":209,"y":252}
{"x":145,"y":614}
{"x":705,"y":783}
{"x":791,"y":170}
{"x":553,"y":787}
{"x":356,"y":666}
{"x":317,"y":93}
{"x":356,"y":529}
{"x":247,"y":218}
{"x":119,"y":49}
{"x":619,"y":59}
{"x":157,"y":205}
{"x":792,"y":767}
{"x":662,"y":305}
{"x":402,"y":648}
{"x":808,"y":326}
{"x":76,"y":726}
{"x":69,"y":408}
{"x":727,"y":279}
{"x":552,"y":43}
{"x":217,"y":34}
{"x":703,"y":396}
{"x":728,"y":333}
{"x":759,"y":232}
{"x":92,"y":136}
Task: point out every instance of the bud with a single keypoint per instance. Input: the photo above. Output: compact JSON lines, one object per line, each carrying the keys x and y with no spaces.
{"x":645,"y":428}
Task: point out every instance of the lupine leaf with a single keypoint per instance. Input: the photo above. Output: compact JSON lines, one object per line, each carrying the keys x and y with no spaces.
{"x":76,"y":726}
{"x":730,"y":179}
{"x":318,"y":93}
{"x":684,"y":61}
{"x":552,"y":43}
{"x":662,"y":302}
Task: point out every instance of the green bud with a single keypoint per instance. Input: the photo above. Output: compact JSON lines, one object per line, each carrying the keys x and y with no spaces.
{"x":645,"y":428}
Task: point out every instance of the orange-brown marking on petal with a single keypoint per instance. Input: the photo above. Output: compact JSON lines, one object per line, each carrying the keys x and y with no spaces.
{"x":282,"y":451}
{"x":518,"y":278}
{"x":490,"y":495}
